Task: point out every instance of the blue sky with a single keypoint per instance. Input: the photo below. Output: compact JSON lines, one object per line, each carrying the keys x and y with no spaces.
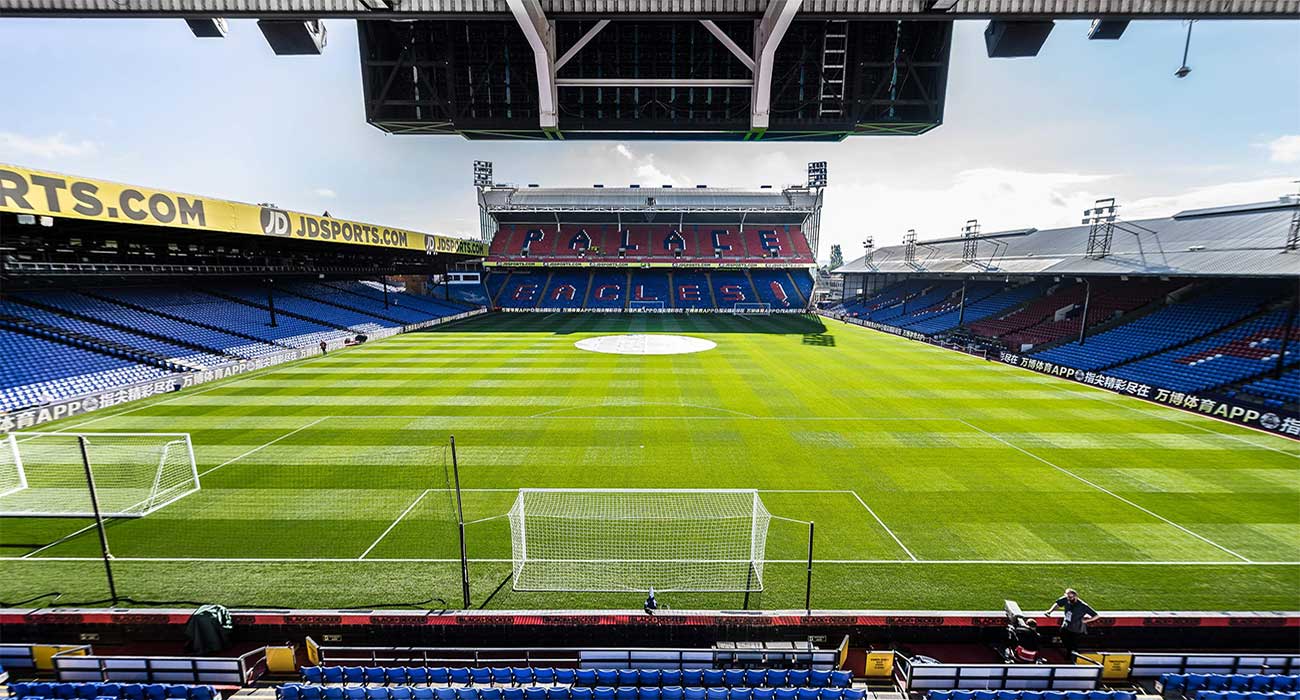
{"x":1026,"y":142}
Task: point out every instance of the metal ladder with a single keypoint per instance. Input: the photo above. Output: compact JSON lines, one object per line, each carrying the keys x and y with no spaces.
{"x":835,"y":45}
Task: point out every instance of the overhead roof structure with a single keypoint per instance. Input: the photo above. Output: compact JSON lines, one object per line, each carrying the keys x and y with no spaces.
{"x":1243,"y":240}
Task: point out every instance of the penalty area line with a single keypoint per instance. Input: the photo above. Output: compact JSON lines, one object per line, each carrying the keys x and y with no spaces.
{"x":1104,"y":490}
{"x":918,"y":562}
{"x":394,"y":523}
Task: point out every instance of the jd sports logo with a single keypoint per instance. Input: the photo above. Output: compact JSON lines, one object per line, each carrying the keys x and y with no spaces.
{"x":275,"y":222}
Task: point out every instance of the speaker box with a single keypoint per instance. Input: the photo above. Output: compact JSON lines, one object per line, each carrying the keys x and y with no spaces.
{"x":293,"y":37}
{"x":1005,"y":39}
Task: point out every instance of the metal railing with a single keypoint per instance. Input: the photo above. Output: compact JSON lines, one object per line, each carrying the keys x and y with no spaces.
{"x":198,"y":670}
{"x":1151,"y":665}
{"x":740,"y":655}
{"x":913,"y":675}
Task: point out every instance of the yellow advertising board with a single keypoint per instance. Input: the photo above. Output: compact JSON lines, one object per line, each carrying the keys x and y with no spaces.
{"x":41,"y":193}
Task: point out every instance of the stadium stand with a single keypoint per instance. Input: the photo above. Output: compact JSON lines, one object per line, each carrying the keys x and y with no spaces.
{"x":580,"y":677}
{"x":1277,"y":391}
{"x":1031,"y":695}
{"x":1192,"y":684}
{"x":118,"y":691}
{"x":40,"y":371}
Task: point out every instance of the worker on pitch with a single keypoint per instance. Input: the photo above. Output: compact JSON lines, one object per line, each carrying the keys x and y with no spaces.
{"x":1075,"y":617}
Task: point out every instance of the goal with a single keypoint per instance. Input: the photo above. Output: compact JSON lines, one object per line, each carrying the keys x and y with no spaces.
{"x":637,"y":539}
{"x":134,"y":474}
{"x":753,"y":308}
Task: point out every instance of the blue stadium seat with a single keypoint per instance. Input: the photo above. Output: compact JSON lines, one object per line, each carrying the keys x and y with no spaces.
{"x":512,"y":693}
{"x":447,"y":694}
{"x":87,"y":691}
{"x":1255,"y":682}
{"x":331,"y":674}
{"x":713,"y":678}
{"x":439,"y":675}
{"x":353,"y":692}
{"x":501,"y":675}
{"x":784,"y":694}
{"x":1075,"y":695}
{"x":559,"y":693}
{"x":1193,"y":682}
{"x":715,"y":694}
{"x":288,"y":691}
{"x":986,"y":695}
{"x":524,"y":675}
{"x":670,"y":677}
{"x":152,"y":691}
{"x":939,"y":695}
{"x":624,"y":677}
{"x":492,"y":693}
{"x":396,"y":676}
{"x":819,"y":679}
{"x":417,"y":675}
{"x":467,"y":694}
{"x":585,"y":677}
{"x":1120,"y":695}
{"x":854,"y":694}
{"x":376,"y":675}
{"x":333,"y":692}
{"x":693,"y":693}
{"x":1216,"y":681}
{"x":419,"y":694}
{"x":830,"y":694}
{"x":400,"y":693}
{"x":754,"y":677}
{"x":648,"y":692}
{"x":309,"y":692}
{"x":606,"y":677}
{"x":566,"y":676}
{"x":1237,"y":681}
{"x":807,"y":693}
{"x":648,"y":676}
{"x":603,"y":692}
{"x":534,"y":692}
{"x":733,"y":677}
{"x":797,"y":678}
{"x":774,"y":678}
{"x":578,"y":693}
{"x":354,"y":674}
{"x":764,"y":693}
{"x":692,"y":678}
{"x":740,"y":694}
{"x":1099,"y":695}
{"x":377,"y":693}
{"x":1031,"y":695}
{"x":1286,"y":683}
{"x":543,"y":675}
{"x":480,"y":675}
{"x":1171,"y":682}
{"x":841,"y":679}
{"x":671,"y":692}
{"x":963,"y":695}
{"x":312,"y":674}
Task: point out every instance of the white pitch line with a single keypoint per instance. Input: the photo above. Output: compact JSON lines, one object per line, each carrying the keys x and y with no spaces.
{"x":1100,"y":395}
{"x":421,"y":560}
{"x":394,"y":523}
{"x":59,"y":541}
{"x":886,"y":527}
{"x":263,"y":446}
{"x":1104,"y":490}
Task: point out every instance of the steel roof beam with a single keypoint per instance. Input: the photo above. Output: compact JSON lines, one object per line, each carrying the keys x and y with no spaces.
{"x":767,"y":37}
{"x":541,"y":37}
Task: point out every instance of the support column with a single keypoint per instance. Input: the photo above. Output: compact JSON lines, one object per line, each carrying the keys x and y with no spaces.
{"x":1287,"y":330}
{"x":767,"y":37}
{"x":961,"y":308}
{"x":1083,"y":318}
{"x":270,"y":300}
{"x":541,"y":37}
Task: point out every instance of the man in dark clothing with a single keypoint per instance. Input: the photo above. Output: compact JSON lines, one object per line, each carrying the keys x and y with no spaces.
{"x":1074,"y":620}
{"x":323,"y":348}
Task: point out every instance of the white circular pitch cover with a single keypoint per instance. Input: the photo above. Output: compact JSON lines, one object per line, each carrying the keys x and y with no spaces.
{"x":645,"y":344}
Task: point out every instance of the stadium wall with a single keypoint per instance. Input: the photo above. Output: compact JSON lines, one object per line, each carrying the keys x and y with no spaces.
{"x":1277,"y":421}
{"x":28,"y":418}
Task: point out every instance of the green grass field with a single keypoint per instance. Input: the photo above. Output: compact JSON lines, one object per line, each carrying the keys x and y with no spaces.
{"x":937,"y":480}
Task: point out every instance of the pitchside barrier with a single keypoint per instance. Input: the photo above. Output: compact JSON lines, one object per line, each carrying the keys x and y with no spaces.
{"x":71,"y":667}
{"x":723,"y":655}
{"x":914,"y":674}
{"x":94,"y":401}
{"x":1276,"y":421}
{"x":1152,"y":665}
{"x":733,"y":311}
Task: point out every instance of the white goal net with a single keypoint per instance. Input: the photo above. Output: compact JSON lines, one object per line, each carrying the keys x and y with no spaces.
{"x":135,"y":474}
{"x":636,"y":539}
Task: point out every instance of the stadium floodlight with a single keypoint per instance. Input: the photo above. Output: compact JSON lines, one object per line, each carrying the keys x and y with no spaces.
{"x":615,"y":540}
{"x":482,"y":173}
{"x":817,"y":174}
{"x":134,"y":474}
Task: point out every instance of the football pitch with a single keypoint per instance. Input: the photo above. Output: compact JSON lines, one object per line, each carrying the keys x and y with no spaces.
{"x":936,"y":480}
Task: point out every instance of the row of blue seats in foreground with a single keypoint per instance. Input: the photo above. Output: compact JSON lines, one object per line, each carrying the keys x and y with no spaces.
{"x":613,"y":678}
{"x":672,"y":692}
{"x":118,"y":691}
{"x":1245,"y":695}
{"x":1031,"y":695}
{"x":1191,"y":683}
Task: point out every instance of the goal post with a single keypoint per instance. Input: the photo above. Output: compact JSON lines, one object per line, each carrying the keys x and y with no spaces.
{"x":134,"y":474}
{"x":614,"y":540}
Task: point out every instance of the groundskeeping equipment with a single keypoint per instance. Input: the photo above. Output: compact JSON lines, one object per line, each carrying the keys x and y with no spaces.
{"x":122,"y":475}
{"x":636,"y":539}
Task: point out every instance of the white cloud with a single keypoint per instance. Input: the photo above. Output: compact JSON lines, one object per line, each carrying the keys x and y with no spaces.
{"x":1285,"y":149}
{"x":1245,"y":192}
{"x":46,"y":147}
{"x":325,"y":193}
{"x":644,"y":169}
